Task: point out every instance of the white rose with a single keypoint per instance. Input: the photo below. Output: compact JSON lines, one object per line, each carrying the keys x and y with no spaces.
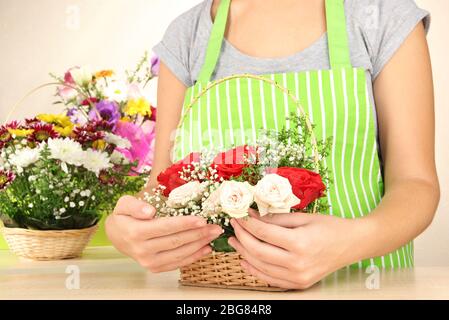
{"x":274,"y":194}
{"x":181,"y":196}
{"x":236,"y":198}
{"x":212,"y":204}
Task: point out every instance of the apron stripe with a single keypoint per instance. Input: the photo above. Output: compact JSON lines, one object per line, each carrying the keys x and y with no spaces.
{"x":220,"y":128}
{"x":323,"y":128}
{"x":354,"y":166}
{"x":251,"y":108}
{"x":231,"y":126}
{"x":334,"y":145}
{"x":262,"y":101}
{"x":363,"y":160}
{"x":345,"y":143}
{"x":286,"y":103}
{"x":274,"y":104}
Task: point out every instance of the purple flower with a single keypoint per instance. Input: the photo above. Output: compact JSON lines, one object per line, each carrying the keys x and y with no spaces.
{"x":106,"y":110}
{"x":155,"y":63}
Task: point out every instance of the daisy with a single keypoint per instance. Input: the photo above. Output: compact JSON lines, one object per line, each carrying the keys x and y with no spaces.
{"x":117,"y":91}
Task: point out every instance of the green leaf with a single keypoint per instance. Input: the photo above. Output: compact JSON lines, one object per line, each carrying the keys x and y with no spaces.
{"x":221,"y":244}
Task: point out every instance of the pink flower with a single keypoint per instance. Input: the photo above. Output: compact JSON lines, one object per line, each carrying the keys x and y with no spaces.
{"x":142,"y":142}
{"x":68,"y":76}
{"x":66,"y":91}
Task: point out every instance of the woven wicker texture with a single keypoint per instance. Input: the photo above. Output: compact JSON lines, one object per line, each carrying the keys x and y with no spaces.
{"x":48,"y":245}
{"x":221,"y":270}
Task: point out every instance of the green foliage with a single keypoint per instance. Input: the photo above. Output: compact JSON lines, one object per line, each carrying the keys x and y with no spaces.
{"x":46,"y":197}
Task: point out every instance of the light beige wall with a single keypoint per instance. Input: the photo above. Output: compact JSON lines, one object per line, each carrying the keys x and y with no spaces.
{"x":39,"y":36}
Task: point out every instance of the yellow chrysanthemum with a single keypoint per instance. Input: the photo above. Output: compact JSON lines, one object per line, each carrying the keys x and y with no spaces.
{"x":104,"y":74}
{"x":21,"y":133}
{"x":99,"y":145}
{"x":60,"y":120}
{"x":138,"y":106}
{"x":62,"y":123}
{"x":64,"y":131}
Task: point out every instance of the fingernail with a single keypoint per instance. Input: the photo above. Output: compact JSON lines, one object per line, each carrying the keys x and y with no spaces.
{"x":207,"y":250}
{"x":148,"y":210}
{"x":233,"y":222}
{"x":216,"y":232}
{"x":231,"y":242}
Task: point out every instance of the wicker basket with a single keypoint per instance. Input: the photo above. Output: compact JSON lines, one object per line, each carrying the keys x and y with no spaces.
{"x":222,"y":270}
{"x":48,"y":245}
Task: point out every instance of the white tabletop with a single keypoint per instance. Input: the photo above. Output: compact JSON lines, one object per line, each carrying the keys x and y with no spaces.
{"x":106,"y":274}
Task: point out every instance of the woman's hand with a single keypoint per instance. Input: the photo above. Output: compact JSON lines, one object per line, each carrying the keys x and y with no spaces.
{"x":158,"y":244}
{"x":295,"y":251}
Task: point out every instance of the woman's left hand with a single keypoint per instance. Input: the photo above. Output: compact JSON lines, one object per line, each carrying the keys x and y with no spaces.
{"x":295,"y":251}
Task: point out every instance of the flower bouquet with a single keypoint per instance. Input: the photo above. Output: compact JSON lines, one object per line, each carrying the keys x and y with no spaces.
{"x":59,"y":173}
{"x":273,"y":176}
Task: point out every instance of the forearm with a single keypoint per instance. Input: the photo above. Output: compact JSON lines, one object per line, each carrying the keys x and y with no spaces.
{"x":406,"y":210}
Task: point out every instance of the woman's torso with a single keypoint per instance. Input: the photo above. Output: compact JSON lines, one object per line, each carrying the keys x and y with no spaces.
{"x":338,"y":101}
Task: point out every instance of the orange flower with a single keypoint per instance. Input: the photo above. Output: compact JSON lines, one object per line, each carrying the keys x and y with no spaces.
{"x":104,"y":74}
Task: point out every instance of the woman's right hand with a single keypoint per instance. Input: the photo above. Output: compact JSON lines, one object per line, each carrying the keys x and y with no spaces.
{"x":158,"y":244}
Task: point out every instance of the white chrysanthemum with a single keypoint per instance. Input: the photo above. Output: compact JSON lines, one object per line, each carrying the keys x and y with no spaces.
{"x":117,"y":140}
{"x":24,"y":157}
{"x":82,"y":76}
{"x":95,"y":161}
{"x":66,"y":150}
{"x":118,"y":158}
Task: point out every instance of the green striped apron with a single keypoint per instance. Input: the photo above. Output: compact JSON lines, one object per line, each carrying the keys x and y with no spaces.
{"x":337,"y":102}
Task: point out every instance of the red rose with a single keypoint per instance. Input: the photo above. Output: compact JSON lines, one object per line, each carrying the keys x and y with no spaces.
{"x":231,"y":163}
{"x":170,"y":177}
{"x":306,"y":185}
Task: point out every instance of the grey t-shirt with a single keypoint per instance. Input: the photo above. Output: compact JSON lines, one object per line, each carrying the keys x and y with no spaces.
{"x":376,"y":30}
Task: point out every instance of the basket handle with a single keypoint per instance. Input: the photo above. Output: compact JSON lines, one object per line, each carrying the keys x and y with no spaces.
{"x":16,"y":106}
{"x":271,"y":82}
{"x":316,"y":158}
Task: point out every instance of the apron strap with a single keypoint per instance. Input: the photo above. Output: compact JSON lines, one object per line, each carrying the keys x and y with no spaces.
{"x":339,"y":53}
{"x":215,"y":42}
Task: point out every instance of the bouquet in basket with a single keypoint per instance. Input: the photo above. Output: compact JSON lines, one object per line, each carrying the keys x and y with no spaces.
{"x":279,"y":174}
{"x":62,"y":171}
